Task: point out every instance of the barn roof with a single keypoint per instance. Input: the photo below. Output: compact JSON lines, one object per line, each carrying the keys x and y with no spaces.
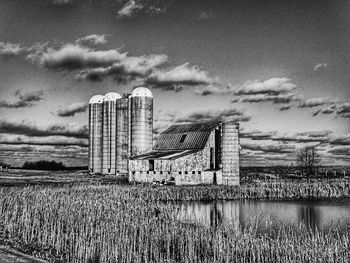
{"x":170,"y":155}
{"x":185,"y":136}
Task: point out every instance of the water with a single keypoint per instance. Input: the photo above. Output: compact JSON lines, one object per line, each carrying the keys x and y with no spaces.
{"x":321,"y":215}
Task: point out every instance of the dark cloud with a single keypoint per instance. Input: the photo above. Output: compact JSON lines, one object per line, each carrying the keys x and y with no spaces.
{"x":343,"y":110}
{"x":324,"y":111}
{"x":340,"y":151}
{"x":274,"y":98}
{"x":30,"y":129}
{"x":278,"y":149}
{"x":73,"y":56}
{"x":183,"y":75}
{"x":71,"y":155}
{"x":214,"y":90}
{"x":214,"y":115}
{"x":13,"y":139}
{"x":320,"y":137}
{"x":284,"y":107}
{"x":24,"y":100}
{"x":125,"y":70}
{"x":72,"y":109}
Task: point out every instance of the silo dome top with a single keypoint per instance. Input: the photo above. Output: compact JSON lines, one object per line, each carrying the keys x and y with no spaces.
{"x":96,"y":99}
{"x":112,"y":96}
{"x":141,"y":92}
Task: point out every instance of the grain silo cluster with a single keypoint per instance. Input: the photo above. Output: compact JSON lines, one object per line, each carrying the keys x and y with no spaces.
{"x":121,"y":143}
{"x":119,"y":127}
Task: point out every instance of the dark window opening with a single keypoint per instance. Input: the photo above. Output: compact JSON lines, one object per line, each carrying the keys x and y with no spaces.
{"x":109,"y":170}
{"x":183,"y":137}
{"x":212,"y":158}
{"x":151,"y":165}
{"x":186,"y":172}
{"x":193,"y":172}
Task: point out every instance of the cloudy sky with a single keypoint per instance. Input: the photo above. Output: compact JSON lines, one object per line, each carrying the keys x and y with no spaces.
{"x":280,"y":68}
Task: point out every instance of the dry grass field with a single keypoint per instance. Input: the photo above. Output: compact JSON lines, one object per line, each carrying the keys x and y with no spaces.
{"x":75,"y":217}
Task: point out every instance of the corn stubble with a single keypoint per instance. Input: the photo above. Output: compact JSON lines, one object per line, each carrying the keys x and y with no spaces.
{"x":96,"y":223}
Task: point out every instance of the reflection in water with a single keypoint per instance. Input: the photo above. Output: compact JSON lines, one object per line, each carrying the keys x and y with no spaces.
{"x":315,"y":215}
{"x":310,"y":217}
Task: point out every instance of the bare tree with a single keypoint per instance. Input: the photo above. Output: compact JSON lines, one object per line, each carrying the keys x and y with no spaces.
{"x":308,"y":159}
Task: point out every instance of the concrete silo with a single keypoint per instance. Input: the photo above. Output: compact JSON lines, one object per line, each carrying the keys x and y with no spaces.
{"x":141,"y":122}
{"x":95,"y":134}
{"x":123,"y":137}
{"x":109,"y":133}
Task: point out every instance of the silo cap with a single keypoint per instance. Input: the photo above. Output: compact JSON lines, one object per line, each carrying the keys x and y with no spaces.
{"x":112,"y":96}
{"x":141,"y":92}
{"x":96,"y":99}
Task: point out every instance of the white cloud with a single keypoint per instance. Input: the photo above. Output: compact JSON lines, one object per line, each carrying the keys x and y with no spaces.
{"x":92,"y":40}
{"x":320,"y":66}
{"x":8,"y":49}
{"x":270,"y":86}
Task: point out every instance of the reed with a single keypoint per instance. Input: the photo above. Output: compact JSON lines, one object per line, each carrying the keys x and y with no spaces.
{"x":111,"y":223}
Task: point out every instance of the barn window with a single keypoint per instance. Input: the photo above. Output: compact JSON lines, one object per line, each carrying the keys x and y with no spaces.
{"x":151,"y":165}
{"x":183,"y":137}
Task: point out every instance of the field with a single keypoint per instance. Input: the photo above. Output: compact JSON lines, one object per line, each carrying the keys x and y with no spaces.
{"x":99,"y":220}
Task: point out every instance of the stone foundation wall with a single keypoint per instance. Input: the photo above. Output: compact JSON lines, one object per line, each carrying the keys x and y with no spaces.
{"x":181,"y":178}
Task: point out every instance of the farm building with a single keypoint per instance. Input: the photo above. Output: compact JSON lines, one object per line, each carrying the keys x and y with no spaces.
{"x":121,"y":143}
{"x":189,"y":154}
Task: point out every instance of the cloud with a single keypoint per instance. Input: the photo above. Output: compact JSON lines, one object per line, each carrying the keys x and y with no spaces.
{"x":133,"y":7}
{"x":320,"y":137}
{"x":72,"y":56}
{"x":213,"y":115}
{"x":205,"y":15}
{"x":31,"y":129}
{"x":125,"y":70}
{"x":130,"y":8}
{"x":274,"y":98}
{"x":8,"y":49}
{"x":273,"y":86}
{"x":320,"y":66}
{"x":175,"y":78}
{"x":72,"y":109}
{"x":343,"y":110}
{"x":46,"y":140}
{"x":285,"y":107}
{"x":329,"y":110}
{"x":62,"y":2}
{"x":24,"y":100}
{"x":17,"y":154}
{"x":340,"y":151}
{"x":268,"y":148}
{"x":92,"y":40}
{"x":213,"y":89}
{"x":314,"y":102}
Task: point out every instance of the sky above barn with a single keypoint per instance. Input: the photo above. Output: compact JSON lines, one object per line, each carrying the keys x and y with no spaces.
{"x":279,"y":68}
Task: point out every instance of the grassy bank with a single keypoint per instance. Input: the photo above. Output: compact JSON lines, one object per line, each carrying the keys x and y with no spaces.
{"x":94,"y":223}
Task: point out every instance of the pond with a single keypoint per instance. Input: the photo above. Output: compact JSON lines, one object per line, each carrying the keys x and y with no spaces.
{"x":321,"y":215}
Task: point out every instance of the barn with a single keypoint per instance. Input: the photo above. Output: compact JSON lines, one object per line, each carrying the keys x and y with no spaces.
{"x":191,"y":154}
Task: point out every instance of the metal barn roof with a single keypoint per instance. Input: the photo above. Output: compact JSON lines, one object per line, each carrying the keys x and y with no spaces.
{"x":163,"y":155}
{"x":185,"y":137}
